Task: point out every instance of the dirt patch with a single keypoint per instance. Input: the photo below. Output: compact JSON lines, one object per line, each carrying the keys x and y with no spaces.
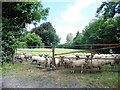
{"x":31,"y":77}
{"x":37,"y":78}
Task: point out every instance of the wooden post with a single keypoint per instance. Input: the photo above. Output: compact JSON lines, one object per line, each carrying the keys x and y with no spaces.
{"x":53,"y":56}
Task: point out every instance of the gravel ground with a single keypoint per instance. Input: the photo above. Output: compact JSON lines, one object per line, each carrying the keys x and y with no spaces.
{"x":41,"y":79}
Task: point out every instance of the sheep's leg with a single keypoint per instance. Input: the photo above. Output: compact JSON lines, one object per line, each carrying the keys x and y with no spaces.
{"x":65,"y":65}
{"x":82,"y":68}
{"x":39,"y":63}
{"x":58,"y":64}
{"x":73,"y":67}
{"x":45,"y":64}
{"x":90,"y":68}
{"x":99,"y":68}
{"x":20,"y":60}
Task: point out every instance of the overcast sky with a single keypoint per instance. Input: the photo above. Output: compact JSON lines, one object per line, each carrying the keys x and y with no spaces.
{"x":69,"y":16}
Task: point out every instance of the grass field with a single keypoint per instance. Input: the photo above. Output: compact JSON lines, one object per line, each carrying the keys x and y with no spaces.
{"x":38,"y":51}
{"x":61,"y":78}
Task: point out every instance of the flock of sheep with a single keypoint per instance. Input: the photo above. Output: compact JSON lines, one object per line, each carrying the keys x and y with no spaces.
{"x":82,"y":60}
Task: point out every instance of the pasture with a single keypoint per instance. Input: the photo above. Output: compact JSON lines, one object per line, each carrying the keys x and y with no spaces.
{"x":47,"y":51}
{"x":25,"y":76}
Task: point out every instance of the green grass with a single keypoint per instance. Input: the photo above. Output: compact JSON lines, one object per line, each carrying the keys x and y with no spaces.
{"x":57,"y":51}
{"x":12,"y":67}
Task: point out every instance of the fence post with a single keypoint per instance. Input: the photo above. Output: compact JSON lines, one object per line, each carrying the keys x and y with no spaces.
{"x":53,"y":55}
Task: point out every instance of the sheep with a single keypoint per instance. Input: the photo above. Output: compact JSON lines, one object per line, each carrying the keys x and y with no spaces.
{"x":27,"y":56}
{"x":39,"y":60}
{"x":65,"y":61}
{"x":117,"y":58}
{"x":49,"y":61}
{"x":57,"y":62}
{"x":78,"y":63}
{"x":94,"y":63}
{"x":19,"y":57}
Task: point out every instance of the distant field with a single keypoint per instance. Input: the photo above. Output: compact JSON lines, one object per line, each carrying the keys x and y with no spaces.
{"x":38,"y":51}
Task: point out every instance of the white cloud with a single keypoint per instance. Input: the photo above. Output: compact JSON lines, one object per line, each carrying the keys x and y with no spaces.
{"x":73,"y":12}
{"x":62,"y":31}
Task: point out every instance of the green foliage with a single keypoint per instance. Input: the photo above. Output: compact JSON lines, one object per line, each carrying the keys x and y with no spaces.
{"x":102,"y":32}
{"x":47,"y":33}
{"x":77,"y":39}
{"x":22,"y":44}
{"x":32,"y":39}
{"x":15,"y":15}
{"x":69,"y":38}
{"x":109,"y":8}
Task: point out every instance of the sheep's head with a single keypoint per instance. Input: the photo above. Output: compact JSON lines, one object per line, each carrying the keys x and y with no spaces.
{"x":70,"y":62}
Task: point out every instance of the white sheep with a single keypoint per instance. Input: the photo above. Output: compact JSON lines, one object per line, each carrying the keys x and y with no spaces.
{"x":94,"y":63}
{"x":39,"y":59}
{"x":78,"y":63}
{"x":19,"y":57}
{"x":27,"y":56}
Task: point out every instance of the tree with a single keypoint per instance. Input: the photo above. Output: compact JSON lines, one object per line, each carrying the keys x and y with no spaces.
{"x":103,"y":31}
{"x":15,"y":15}
{"x":47,"y":33}
{"x":109,"y":8}
{"x":32,"y":39}
{"x":69,"y":38}
{"x":77,"y":39}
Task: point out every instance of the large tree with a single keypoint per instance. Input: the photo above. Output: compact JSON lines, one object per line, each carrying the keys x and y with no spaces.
{"x":47,"y":33}
{"x":15,"y":15}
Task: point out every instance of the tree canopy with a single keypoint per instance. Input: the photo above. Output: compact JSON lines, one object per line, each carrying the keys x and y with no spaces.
{"x":109,"y":8}
{"x":47,"y":33}
{"x":15,"y":15}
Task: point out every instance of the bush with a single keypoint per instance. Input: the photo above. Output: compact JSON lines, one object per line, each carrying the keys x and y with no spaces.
{"x":22,"y":44}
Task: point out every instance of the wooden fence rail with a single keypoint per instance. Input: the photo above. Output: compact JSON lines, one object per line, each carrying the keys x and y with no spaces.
{"x":89,"y":50}
{"x":53,"y":52}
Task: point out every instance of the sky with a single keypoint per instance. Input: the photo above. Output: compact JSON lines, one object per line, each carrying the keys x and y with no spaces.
{"x":69,"y":16}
